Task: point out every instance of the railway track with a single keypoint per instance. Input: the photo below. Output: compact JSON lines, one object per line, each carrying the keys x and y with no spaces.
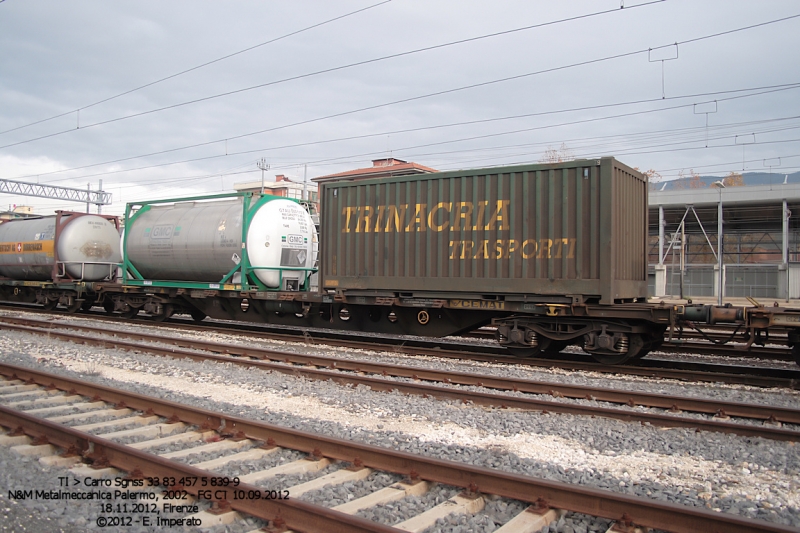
{"x":757,"y":376}
{"x":33,"y":403}
{"x":647,"y":408}
{"x":651,"y":366}
{"x":689,"y":341}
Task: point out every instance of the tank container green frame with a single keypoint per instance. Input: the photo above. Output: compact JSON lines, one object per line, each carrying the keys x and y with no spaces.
{"x":251,"y":202}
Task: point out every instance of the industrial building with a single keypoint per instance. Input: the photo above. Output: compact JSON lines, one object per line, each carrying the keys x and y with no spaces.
{"x":759,"y":235}
{"x":282,"y":186}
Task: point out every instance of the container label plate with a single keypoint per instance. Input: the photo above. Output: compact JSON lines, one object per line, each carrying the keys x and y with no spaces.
{"x":793,"y":320}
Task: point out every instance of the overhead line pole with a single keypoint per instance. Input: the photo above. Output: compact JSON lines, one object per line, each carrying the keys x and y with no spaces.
{"x":263,"y":165}
{"x":720,"y":240}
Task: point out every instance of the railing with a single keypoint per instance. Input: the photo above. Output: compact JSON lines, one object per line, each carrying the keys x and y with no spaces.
{"x":61,"y":269}
{"x":741,"y":280}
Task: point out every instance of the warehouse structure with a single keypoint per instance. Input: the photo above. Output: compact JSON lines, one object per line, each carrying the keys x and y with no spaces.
{"x":760,"y":235}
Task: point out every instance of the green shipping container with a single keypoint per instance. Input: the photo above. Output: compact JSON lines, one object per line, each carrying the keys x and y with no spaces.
{"x":577,"y":228}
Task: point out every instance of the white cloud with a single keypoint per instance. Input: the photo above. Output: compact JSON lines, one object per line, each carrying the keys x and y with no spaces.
{"x":61,"y":56}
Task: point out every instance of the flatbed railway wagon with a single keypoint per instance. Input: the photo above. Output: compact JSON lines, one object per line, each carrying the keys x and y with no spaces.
{"x":216,"y":255}
{"x":551,"y":254}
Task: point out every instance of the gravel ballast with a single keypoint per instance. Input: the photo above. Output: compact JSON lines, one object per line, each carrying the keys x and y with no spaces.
{"x":748,"y":476}
{"x":736,"y":393}
{"x":333,"y":495}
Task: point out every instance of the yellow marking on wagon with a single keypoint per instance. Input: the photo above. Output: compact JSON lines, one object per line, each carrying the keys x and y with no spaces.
{"x":26,"y":247}
{"x":477,"y":304}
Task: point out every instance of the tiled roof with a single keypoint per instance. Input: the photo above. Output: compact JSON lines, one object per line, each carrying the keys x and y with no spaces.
{"x":379,"y":171}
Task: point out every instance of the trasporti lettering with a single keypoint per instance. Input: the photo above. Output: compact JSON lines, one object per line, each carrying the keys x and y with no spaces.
{"x":504,"y":248}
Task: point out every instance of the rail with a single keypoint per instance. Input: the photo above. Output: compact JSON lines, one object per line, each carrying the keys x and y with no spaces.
{"x":307,"y":517}
{"x":341,"y":371}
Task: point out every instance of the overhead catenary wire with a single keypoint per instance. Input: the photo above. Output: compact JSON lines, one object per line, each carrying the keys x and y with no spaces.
{"x":209,"y":157}
{"x":467,"y":152}
{"x":318,"y":72}
{"x":415,"y":98}
{"x":597,"y":147}
{"x":661,"y":133}
{"x":726,"y":163}
{"x":203,"y":177}
{"x":197,"y":67}
{"x":770,"y":88}
{"x":426,"y":145}
{"x":587,"y":155}
{"x":626,"y":148}
{"x":353,"y":158}
{"x":574,"y":122}
{"x":358,"y":157}
{"x":340,"y":114}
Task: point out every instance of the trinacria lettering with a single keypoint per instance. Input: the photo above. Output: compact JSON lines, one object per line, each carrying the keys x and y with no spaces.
{"x":444,"y":216}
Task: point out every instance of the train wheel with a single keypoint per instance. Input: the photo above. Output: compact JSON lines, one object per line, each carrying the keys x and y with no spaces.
{"x":75,"y":307}
{"x":524,"y":351}
{"x":50,"y":304}
{"x":87,"y":304}
{"x":611,"y":359}
{"x":325,"y":313}
{"x":197,"y":316}
{"x":641,"y":346}
{"x":375,"y":314}
{"x":649,"y":344}
{"x":636,"y":346}
{"x":166,"y":312}
{"x":555,"y":347}
{"x":108,"y":305}
{"x":130,"y":313}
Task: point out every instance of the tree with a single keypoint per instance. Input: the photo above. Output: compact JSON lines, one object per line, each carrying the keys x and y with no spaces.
{"x":733,"y":179}
{"x":690,"y":181}
{"x":551,"y":155}
{"x":653,"y":177}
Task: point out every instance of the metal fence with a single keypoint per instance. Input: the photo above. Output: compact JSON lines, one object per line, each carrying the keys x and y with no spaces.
{"x":757,"y":281}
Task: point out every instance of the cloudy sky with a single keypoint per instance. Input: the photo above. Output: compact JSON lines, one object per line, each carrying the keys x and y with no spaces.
{"x":448,"y":84}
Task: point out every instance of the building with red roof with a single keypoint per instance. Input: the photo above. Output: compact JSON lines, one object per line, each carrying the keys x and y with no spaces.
{"x":381,"y":168}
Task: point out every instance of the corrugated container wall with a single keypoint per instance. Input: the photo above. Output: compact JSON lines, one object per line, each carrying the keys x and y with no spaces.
{"x":573,"y":228}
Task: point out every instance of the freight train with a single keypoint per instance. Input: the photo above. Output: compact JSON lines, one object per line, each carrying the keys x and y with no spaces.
{"x":550,"y":255}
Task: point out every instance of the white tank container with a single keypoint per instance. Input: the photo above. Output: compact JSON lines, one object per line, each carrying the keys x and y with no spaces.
{"x":202,"y":241}
{"x":28,"y":247}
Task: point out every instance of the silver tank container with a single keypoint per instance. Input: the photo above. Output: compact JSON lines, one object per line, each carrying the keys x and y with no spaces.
{"x":202,"y":241}
{"x":87,"y":245}
{"x":199,"y":241}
